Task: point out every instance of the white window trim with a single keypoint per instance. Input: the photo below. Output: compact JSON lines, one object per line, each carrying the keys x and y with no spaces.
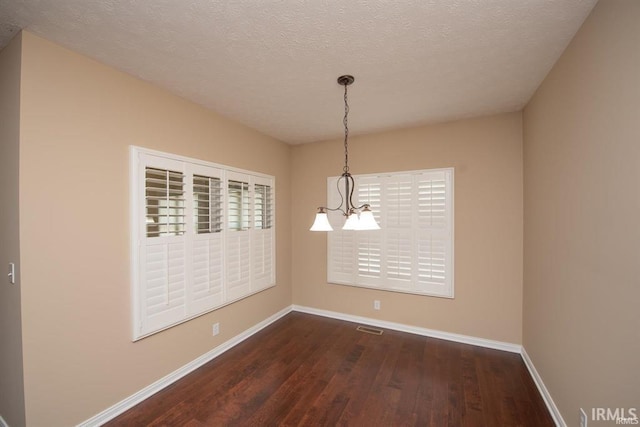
{"x":138,"y":227}
{"x":352,"y":277}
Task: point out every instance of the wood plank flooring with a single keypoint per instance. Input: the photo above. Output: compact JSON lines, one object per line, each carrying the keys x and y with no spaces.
{"x":306,"y":370}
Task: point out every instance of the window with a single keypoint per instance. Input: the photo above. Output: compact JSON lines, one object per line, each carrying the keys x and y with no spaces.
{"x":202,"y":237}
{"x":207,"y":199}
{"x":413,"y":251}
{"x":238,"y":205}
{"x":262,"y":207}
{"x":164,"y":196}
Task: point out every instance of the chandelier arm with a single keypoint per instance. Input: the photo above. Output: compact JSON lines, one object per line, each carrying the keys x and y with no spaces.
{"x":367,"y":205}
{"x":330,"y":209}
{"x":339,"y":208}
{"x":342,"y":198}
{"x":350,"y":204}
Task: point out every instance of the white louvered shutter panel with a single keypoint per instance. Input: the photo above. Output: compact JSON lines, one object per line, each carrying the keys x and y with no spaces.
{"x":263,"y":234}
{"x":369,"y":243}
{"x":206,"y":254}
{"x":398,"y":231}
{"x":435,"y":233}
{"x":238,"y":237}
{"x":161,"y":288}
{"x":341,"y":245}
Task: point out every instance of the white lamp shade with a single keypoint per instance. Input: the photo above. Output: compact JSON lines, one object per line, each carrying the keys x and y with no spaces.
{"x":321,"y":223}
{"x":352,"y":222}
{"x":367,"y":221}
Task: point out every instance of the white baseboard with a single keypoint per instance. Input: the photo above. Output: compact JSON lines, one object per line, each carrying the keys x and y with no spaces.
{"x":553,"y":409}
{"x":465,"y":339}
{"x":120,"y":407}
{"x":3,"y":423}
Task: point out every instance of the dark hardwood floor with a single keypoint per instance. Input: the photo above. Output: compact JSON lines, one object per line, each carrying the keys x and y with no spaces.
{"x":305,"y":370}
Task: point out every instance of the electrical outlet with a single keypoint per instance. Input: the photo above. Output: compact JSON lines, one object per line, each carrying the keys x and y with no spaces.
{"x":216,"y":329}
{"x":376,"y":304}
{"x":583,"y":418}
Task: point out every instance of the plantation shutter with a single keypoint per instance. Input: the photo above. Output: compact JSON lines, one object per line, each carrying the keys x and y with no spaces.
{"x":238,"y":241}
{"x":369,"y":243}
{"x":413,"y":251}
{"x":203,"y":235}
{"x":163,"y":273}
{"x":435,"y":233}
{"x":207,"y":274}
{"x":263,"y":237}
{"x":398,"y":197}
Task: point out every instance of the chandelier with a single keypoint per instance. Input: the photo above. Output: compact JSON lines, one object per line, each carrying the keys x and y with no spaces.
{"x":357,"y":217}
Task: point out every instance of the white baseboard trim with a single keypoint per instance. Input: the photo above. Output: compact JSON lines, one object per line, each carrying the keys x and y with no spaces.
{"x":120,"y":407}
{"x":465,"y":339}
{"x":553,"y":409}
{"x":3,"y":423}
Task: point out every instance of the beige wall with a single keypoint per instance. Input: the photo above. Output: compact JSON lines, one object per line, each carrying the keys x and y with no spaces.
{"x":582,"y":209}
{"x":79,"y":118}
{"x":487,"y":156}
{"x":11,"y":380}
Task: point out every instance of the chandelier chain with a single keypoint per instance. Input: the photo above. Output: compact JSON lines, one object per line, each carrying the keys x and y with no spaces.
{"x":346,"y":132}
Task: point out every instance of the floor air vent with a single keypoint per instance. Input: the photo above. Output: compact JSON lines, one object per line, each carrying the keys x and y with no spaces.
{"x":369,"y":330}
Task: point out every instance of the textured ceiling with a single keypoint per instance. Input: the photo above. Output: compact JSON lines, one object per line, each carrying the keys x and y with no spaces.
{"x":272,"y":65}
